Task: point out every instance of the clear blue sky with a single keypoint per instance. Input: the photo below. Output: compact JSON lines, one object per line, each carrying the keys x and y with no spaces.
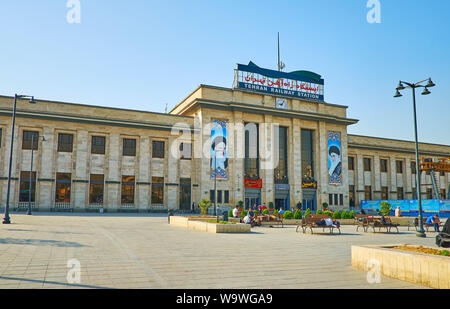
{"x":142,"y":54}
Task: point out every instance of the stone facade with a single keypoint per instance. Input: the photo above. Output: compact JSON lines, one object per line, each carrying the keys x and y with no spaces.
{"x":189,"y":122}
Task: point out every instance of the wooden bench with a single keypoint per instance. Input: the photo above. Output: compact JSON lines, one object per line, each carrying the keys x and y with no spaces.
{"x":375,"y":222}
{"x":426,"y":226}
{"x":311,"y":222}
{"x":270,"y":218}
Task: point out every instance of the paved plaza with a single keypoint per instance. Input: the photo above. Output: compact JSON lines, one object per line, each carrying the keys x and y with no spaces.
{"x":143,"y":251}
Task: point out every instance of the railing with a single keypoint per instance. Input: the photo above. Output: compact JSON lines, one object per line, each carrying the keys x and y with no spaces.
{"x":127,"y":206}
{"x":63,"y":206}
{"x":95,"y":206}
{"x":22,"y":206}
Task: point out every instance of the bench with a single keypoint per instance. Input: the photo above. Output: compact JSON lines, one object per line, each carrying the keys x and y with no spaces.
{"x":311,"y":222}
{"x":270,"y":218}
{"x":415,"y":223}
{"x":375,"y":222}
{"x":362,"y":221}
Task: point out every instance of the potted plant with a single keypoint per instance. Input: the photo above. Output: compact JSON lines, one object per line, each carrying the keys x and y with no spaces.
{"x":204,"y":205}
{"x":385,"y":208}
{"x":325,"y":206}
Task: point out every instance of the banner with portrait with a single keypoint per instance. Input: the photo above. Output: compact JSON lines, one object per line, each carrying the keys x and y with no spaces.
{"x":219,"y":150}
{"x":334,"y":158}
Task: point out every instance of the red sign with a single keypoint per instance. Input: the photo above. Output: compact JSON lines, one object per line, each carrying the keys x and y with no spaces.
{"x":253,"y":183}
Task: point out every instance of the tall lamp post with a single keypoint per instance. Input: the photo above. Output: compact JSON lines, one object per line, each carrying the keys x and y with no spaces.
{"x":6,"y":219}
{"x":31,"y":171}
{"x":430,"y":84}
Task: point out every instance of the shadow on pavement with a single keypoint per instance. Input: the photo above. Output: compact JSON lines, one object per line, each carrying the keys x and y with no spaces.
{"x":40,"y":242}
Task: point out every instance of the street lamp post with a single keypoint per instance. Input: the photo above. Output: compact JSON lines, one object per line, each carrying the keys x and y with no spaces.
{"x":430,"y":84}
{"x":31,"y":172}
{"x":6,"y":219}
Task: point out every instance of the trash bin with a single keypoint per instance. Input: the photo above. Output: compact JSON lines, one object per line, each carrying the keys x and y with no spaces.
{"x":225,"y":216}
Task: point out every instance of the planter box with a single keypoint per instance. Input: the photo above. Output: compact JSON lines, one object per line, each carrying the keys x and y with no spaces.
{"x":426,"y":269}
{"x":198,"y":224}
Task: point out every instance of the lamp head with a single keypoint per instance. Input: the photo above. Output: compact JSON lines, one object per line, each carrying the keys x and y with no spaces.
{"x":400,"y":86}
{"x":397,"y":94}
{"x":430,"y":84}
{"x":32,"y":100}
{"x":426,"y":91}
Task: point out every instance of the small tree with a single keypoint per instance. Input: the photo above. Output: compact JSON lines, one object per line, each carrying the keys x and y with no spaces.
{"x":298,"y":215}
{"x":241,"y":204}
{"x":230,"y":213}
{"x":288,"y":215}
{"x":329,"y":213}
{"x":204,"y":205}
{"x":266,"y":211}
{"x":345,"y":215}
{"x":307,"y":212}
{"x":271,"y":205}
{"x":385,"y":208}
{"x":336,"y":215}
{"x":319,"y":212}
{"x":325,"y":206}
{"x":352,"y":214}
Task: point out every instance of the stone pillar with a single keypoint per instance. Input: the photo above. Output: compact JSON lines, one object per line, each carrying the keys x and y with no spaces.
{"x":46,"y":171}
{"x":238,"y":155}
{"x":267,"y":159}
{"x":393,"y":184}
{"x":322,"y":159}
{"x":172,"y":174}
{"x":13,"y":195}
{"x":295,"y":162}
{"x":376,"y":179}
{"x":114,"y":177}
{"x":143,"y":178}
{"x":359,"y":179}
{"x":81,"y":180}
{"x":408,"y":184}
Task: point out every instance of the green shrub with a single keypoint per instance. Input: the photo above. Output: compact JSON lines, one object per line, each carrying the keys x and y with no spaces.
{"x":385,"y":208}
{"x":204,"y":205}
{"x":230,"y":213}
{"x":271,"y":205}
{"x":266,"y":211}
{"x":298,"y":215}
{"x":352,"y":215}
{"x":345,"y":215}
{"x":307,"y":212}
{"x":244,"y":213}
{"x":241,"y":204}
{"x":319,"y":212}
{"x":325,"y":206}
{"x":336,"y":215}
{"x":275,"y":212}
{"x":288,"y":215}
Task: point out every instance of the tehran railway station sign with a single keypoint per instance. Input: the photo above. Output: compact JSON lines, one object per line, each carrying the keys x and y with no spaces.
{"x":298,"y":84}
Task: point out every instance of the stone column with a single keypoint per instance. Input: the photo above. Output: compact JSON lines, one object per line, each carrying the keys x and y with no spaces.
{"x":238,"y":154}
{"x":322,"y":159}
{"x":114,"y":176}
{"x":15,"y":173}
{"x":393,"y":184}
{"x":360,"y":190}
{"x":295,"y":162}
{"x":46,"y":171}
{"x":267,"y":159}
{"x":81,"y":180}
{"x":143,"y":178}
{"x":408,"y":184}
{"x":376,"y":177}
{"x":172,"y":174}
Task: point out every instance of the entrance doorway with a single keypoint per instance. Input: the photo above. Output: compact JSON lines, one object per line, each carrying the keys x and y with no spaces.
{"x":251,"y":201}
{"x":185,"y":194}
{"x":281,"y":203}
{"x":309,"y":199}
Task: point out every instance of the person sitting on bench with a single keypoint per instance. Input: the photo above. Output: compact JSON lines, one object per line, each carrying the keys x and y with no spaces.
{"x":329,"y":222}
{"x":383,"y":221}
{"x":434,"y":220}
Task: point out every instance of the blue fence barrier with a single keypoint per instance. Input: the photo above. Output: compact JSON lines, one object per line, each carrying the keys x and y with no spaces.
{"x":410,"y":208}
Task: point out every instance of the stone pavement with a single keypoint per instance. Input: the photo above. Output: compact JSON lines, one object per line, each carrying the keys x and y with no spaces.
{"x":143,"y":251}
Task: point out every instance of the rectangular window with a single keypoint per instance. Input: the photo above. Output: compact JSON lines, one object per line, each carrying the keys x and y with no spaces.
{"x":330,"y":199}
{"x":251,"y":161}
{"x":98,"y":145}
{"x":1,"y":134}
{"x":429,"y":194}
{"x":351,"y":195}
{"x":307,"y":153}
{"x":281,"y":156}
{"x":384,"y":193}
{"x":63,"y":187}
{"x":65,"y":142}
{"x":27,"y":137}
{"x":384,"y":165}
{"x":351,"y":163}
{"x":96,"y":189}
{"x":442,"y":195}
{"x":336,"y":199}
{"x":219,"y":196}
{"x":341,"y":199}
{"x":399,"y":165}
{"x":367,"y":165}
{"x":414,"y":193}
{"x":158,"y":149}
{"x":212,"y":197}
{"x":25,"y":186}
{"x":227,"y":197}
{"x":128,"y":186}
{"x":368,"y":193}
{"x":413,"y":168}
{"x":157,"y":191}
{"x":186,"y":151}
{"x":400,"y":195}
{"x":129,"y":147}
